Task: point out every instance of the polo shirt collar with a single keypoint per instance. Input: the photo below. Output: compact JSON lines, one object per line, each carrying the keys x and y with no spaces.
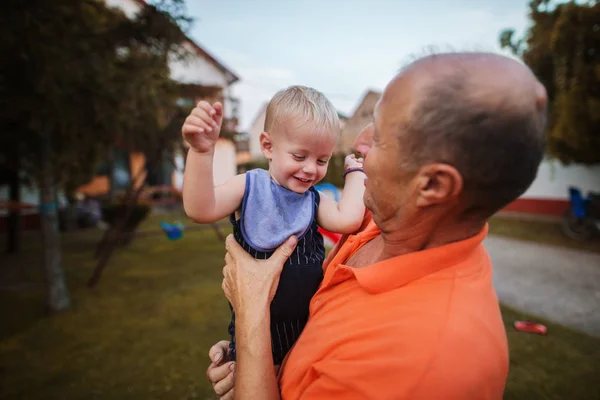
{"x":398,"y":271}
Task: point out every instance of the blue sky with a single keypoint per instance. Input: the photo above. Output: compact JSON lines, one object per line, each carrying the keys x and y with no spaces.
{"x":340,"y":47}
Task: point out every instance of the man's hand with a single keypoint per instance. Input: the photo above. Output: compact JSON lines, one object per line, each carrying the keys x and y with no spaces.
{"x":250,"y":284}
{"x":202,"y":127}
{"x":220,"y":372}
{"x":352,"y":162}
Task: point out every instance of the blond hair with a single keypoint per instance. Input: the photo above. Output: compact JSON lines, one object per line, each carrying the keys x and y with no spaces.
{"x":303,"y":103}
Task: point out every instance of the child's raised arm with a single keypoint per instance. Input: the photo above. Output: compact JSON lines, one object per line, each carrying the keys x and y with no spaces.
{"x":347,"y":215}
{"x":203,"y":202}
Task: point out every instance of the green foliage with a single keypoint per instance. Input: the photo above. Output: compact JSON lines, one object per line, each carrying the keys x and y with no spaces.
{"x":88,"y":77}
{"x":335,"y":171}
{"x":562,"y":47}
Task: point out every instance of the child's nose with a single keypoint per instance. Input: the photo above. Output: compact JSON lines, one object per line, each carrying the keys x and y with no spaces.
{"x":309,"y":168}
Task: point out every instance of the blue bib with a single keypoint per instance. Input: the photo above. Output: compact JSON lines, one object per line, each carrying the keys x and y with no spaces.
{"x":272,"y":213}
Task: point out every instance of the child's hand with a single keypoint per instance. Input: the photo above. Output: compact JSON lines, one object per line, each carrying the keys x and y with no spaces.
{"x":352,"y":162}
{"x":202,"y":127}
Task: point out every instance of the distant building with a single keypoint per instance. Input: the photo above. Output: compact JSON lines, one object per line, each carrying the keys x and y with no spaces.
{"x":202,"y":77}
{"x":362,"y":116}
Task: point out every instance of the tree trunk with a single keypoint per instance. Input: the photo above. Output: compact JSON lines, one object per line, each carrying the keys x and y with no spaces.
{"x":58,"y":294}
{"x":112,"y":190}
{"x":71,"y":214}
{"x":14,"y":242}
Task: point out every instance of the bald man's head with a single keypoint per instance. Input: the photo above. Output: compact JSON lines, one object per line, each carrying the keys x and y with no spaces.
{"x":482,"y":113}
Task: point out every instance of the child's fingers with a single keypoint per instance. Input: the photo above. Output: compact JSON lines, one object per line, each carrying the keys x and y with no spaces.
{"x":191,"y":130}
{"x":214,"y":112}
{"x":199,"y":123}
{"x":218,"y":108}
{"x":203,"y":116}
{"x":205,"y":105}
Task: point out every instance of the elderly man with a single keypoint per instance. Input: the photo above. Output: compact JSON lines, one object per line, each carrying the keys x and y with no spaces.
{"x":406,"y":309}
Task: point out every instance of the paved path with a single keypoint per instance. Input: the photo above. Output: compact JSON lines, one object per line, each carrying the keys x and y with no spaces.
{"x":557,"y":283}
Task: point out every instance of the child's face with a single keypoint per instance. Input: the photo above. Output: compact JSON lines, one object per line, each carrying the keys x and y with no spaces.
{"x":299,"y":156}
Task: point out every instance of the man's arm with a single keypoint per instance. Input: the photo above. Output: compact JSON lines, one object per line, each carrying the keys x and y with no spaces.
{"x":250,"y":286}
{"x":255,"y":376}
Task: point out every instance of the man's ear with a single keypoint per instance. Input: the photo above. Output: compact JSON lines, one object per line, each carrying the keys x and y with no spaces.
{"x":437,"y":184}
{"x":266,"y":145}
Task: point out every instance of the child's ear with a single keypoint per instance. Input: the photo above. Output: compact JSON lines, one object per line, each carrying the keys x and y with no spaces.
{"x":266,"y":145}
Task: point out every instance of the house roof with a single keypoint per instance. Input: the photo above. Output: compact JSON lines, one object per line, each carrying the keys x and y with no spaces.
{"x":368,"y":93}
{"x":262,"y":110}
{"x":231,"y":77}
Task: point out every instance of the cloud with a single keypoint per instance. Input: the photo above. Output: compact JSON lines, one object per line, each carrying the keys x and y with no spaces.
{"x":258,"y":82}
{"x":344,"y":64}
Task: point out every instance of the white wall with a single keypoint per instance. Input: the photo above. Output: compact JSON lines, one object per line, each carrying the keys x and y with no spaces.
{"x":194,"y":69}
{"x":178,"y":173}
{"x":224,"y":164}
{"x":554,"y":179}
{"x":256,"y":128}
{"x":197,"y":69}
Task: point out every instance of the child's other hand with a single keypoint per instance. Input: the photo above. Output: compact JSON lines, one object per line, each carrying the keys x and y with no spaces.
{"x":352,"y":162}
{"x":202,"y":127}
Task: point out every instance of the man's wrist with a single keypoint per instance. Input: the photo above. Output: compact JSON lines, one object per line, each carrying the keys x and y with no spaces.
{"x":252,"y":321}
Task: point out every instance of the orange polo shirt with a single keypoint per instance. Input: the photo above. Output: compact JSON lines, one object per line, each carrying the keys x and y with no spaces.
{"x":424,"y":325}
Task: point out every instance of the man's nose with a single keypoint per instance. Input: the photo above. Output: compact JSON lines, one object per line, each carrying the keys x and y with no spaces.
{"x":362,"y":144}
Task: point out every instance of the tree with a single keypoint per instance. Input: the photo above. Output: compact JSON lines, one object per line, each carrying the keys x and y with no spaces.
{"x":562,"y":47}
{"x":76,"y":76}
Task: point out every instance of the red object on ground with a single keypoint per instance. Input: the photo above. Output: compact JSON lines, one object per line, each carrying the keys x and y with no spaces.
{"x":333,"y":237}
{"x":531,"y":327}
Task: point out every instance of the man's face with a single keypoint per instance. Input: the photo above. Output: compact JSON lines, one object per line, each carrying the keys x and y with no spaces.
{"x":389,"y":184}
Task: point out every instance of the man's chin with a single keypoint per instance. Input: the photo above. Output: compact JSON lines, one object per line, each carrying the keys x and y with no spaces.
{"x":367,"y":202}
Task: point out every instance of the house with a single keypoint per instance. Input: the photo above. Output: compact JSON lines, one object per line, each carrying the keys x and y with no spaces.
{"x":549,"y":192}
{"x":257,"y":127}
{"x":362,"y":116}
{"x":202,"y":77}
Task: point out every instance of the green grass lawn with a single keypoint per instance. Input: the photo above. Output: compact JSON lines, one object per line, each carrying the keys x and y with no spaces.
{"x":546,"y":232}
{"x":144,"y":332}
